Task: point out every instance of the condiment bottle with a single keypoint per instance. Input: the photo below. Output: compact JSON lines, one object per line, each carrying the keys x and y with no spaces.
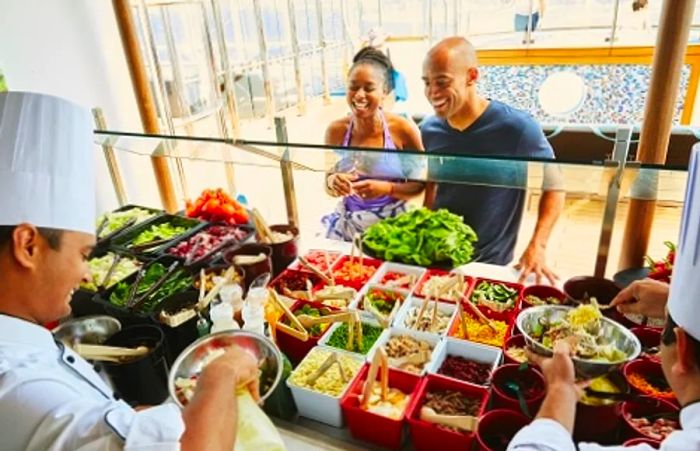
{"x":221,"y":315}
{"x":254,"y":310}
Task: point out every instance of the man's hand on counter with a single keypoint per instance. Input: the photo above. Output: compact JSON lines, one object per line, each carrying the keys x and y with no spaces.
{"x":533,"y":261}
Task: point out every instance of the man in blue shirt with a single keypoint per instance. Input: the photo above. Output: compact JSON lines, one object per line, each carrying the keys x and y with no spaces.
{"x":466,"y":123}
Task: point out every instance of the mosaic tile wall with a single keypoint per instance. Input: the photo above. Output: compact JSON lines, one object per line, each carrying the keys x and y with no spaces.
{"x":614,"y":94}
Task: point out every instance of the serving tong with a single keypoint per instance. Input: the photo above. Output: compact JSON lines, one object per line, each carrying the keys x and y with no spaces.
{"x":134,"y":303}
{"x":325,"y":278}
{"x":325,"y":366}
{"x":262,"y":227}
{"x":380,"y":364}
{"x":129,"y":222}
{"x":112,"y":354}
{"x":435,"y":295}
{"x":383,"y":320}
{"x":154,"y":243}
{"x":475,"y":310}
{"x":466,"y":423}
{"x":297,"y":330}
{"x":110,"y":271}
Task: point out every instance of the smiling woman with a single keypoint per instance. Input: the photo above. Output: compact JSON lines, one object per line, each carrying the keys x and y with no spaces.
{"x":370,"y":183}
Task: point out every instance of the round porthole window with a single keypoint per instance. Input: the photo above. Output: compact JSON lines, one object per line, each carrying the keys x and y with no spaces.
{"x":562,"y":93}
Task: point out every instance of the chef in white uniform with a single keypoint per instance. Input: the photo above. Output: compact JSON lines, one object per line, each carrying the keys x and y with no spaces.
{"x":680,"y":347}
{"x":50,"y":398}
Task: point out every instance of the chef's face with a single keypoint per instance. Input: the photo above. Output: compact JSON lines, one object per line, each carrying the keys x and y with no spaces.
{"x":366,"y":90}
{"x":60,"y":272}
{"x":448,"y":83}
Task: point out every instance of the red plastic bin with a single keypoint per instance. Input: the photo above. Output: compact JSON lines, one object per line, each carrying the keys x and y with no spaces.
{"x":468,"y":282}
{"x":503,"y":399}
{"x":642,"y":441}
{"x":642,"y":408}
{"x":288,"y":273}
{"x":649,"y":337}
{"x":426,"y":436}
{"x":648,"y":369}
{"x":513,"y":340}
{"x":508,"y":315}
{"x":542,"y":292}
{"x":373,"y":428}
{"x":316,"y":259}
{"x":498,"y":427}
{"x":294,"y":348}
{"x":355,"y":283}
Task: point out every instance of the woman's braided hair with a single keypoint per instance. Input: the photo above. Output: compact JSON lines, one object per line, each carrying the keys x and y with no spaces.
{"x":370,"y":55}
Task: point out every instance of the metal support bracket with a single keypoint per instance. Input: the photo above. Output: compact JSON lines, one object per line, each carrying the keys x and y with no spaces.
{"x":290,"y":197}
{"x":623,"y":138}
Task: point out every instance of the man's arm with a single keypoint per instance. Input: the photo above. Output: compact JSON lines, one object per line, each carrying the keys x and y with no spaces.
{"x":554,"y":424}
{"x":212,"y":415}
{"x":533,"y":259}
{"x":533,"y":143}
{"x":430,"y":191}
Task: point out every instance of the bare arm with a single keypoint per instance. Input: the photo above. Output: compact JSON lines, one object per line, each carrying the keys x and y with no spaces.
{"x":336,"y":184}
{"x":562,"y":390}
{"x":533,"y":259}
{"x":406,"y":136}
{"x":430,"y":191}
{"x":212,"y":415}
{"x":549,"y":210}
{"x":411,"y":140}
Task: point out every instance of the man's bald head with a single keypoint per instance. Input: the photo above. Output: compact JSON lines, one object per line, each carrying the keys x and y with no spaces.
{"x":450,"y":74}
{"x":456,"y":51}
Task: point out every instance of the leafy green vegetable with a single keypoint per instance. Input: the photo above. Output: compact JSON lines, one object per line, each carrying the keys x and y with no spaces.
{"x":339,"y":338}
{"x":422,"y":237}
{"x":117,"y":219}
{"x":177,"y":282}
{"x":158,"y":232}
{"x":99,"y":267}
{"x":316,"y":329}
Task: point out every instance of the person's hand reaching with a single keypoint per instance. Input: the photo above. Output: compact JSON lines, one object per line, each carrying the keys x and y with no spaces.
{"x":646,"y":297}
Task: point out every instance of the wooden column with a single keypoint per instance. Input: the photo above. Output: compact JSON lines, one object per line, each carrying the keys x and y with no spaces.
{"x":144,"y":98}
{"x":671,"y":43}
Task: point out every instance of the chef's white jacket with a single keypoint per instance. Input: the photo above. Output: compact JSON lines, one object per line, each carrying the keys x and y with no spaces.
{"x":51,"y":399}
{"x":549,"y":435}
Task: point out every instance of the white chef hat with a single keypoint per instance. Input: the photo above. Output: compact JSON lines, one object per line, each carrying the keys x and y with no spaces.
{"x":684,"y":298}
{"x":47,"y":173}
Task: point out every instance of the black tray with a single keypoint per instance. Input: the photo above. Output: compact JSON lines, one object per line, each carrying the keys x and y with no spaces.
{"x":130,"y":316}
{"x":101,"y":242}
{"x":213,"y":255}
{"x":123,"y":240}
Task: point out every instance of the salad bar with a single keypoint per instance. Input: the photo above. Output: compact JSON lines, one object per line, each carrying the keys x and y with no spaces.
{"x":393,"y":350}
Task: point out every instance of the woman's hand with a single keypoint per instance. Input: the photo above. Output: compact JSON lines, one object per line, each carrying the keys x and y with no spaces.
{"x":370,"y":189}
{"x":341,"y":183}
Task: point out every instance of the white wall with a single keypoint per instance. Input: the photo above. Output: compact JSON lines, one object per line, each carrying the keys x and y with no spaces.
{"x":72,"y":49}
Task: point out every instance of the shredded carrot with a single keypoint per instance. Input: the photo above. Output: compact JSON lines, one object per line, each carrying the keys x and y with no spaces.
{"x":640,"y":383}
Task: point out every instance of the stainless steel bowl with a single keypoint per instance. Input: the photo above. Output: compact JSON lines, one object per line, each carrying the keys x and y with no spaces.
{"x":192,"y":360}
{"x":622,"y":337}
{"x":92,"y":330}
